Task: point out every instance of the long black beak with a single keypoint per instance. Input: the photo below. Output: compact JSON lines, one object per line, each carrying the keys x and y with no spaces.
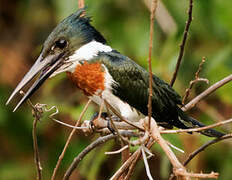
{"x":44,"y":65}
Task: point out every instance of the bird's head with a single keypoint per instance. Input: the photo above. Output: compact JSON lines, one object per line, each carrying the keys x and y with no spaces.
{"x":72,"y":41}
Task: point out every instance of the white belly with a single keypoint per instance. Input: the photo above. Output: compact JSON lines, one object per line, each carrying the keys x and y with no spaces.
{"x":123,"y":108}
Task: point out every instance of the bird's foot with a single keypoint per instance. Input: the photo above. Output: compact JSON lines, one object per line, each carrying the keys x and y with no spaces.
{"x":106,"y":117}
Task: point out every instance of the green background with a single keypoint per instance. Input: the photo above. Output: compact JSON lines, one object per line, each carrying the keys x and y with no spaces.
{"x":25,"y":24}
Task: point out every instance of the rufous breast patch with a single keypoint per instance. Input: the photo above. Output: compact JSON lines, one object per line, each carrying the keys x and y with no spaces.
{"x":89,"y":77}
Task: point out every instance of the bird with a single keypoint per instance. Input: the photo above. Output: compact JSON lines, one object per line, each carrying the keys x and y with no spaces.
{"x":104,"y":74}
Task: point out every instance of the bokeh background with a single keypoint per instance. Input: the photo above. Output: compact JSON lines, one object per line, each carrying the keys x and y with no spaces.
{"x":25,"y":24}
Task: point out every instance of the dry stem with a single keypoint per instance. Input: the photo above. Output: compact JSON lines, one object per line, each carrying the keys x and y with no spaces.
{"x":146,"y":164}
{"x":182,"y":46}
{"x":197,"y":129}
{"x":177,"y":166}
{"x":37,"y":115}
{"x":35,"y":143}
{"x":153,"y":9}
{"x":99,"y":141}
{"x":208,"y":91}
{"x":132,"y":166}
{"x":68,"y":141}
{"x":203,"y":147}
{"x":125,"y":166}
{"x":197,"y":79}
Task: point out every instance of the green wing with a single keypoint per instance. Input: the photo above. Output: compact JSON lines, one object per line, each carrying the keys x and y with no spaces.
{"x":133,"y":87}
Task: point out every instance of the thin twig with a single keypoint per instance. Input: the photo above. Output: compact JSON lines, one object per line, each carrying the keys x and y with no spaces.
{"x":44,"y":107}
{"x":125,"y":154}
{"x":132,"y":166}
{"x":199,"y":175}
{"x":35,"y":145}
{"x":136,"y":159}
{"x":37,"y":115}
{"x":196,"y":129}
{"x":90,"y":147}
{"x":125,"y":166}
{"x":208,"y":91}
{"x":203,"y":147}
{"x":68,"y":125}
{"x":174,"y":147}
{"x":68,"y":141}
{"x":152,"y":15}
{"x":118,"y":151}
{"x":123,"y":119}
{"x":146,"y":164}
{"x":178,"y":169}
{"x":142,"y":140}
{"x":197,"y":79}
{"x":182,"y":46}
{"x":177,"y":166}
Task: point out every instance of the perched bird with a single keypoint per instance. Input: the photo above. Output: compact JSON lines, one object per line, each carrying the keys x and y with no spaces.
{"x":102,"y":73}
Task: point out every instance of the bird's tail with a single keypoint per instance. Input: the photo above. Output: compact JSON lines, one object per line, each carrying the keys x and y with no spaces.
{"x":190,"y":122}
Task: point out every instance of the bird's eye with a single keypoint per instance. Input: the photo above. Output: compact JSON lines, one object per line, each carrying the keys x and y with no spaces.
{"x":61,"y":43}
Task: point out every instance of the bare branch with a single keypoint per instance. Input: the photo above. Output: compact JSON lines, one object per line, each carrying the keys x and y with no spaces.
{"x":68,"y":141}
{"x":123,"y":119}
{"x":208,"y":91}
{"x":37,"y":115}
{"x":174,"y":147}
{"x":35,"y":145}
{"x":99,"y":141}
{"x":118,"y":151}
{"x":142,"y":140}
{"x":203,"y":147}
{"x":126,"y":164}
{"x":146,"y":164}
{"x":197,"y":79}
{"x":182,"y":46}
{"x":196,"y":129}
{"x":199,"y":175}
{"x":132,"y":166}
{"x":177,"y":166}
{"x":136,"y":159}
{"x":163,"y":17}
{"x":153,"y":9}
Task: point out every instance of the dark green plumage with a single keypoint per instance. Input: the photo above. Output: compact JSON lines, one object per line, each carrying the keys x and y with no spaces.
{"x":76,"y":30}
{"x":65,"y":47}
{"x":133,"y":87}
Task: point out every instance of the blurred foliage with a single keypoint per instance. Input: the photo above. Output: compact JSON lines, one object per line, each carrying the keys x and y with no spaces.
{"x":25,"y":24}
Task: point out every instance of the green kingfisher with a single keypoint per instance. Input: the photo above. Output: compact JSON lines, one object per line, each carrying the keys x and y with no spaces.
{"x":102,"y":73}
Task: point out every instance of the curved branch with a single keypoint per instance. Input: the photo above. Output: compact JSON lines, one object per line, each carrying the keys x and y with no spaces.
{"x":203,"y":147}
{"x":208,"y":91}
{"x":196,"y":129}
{"x":99,"y":141}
